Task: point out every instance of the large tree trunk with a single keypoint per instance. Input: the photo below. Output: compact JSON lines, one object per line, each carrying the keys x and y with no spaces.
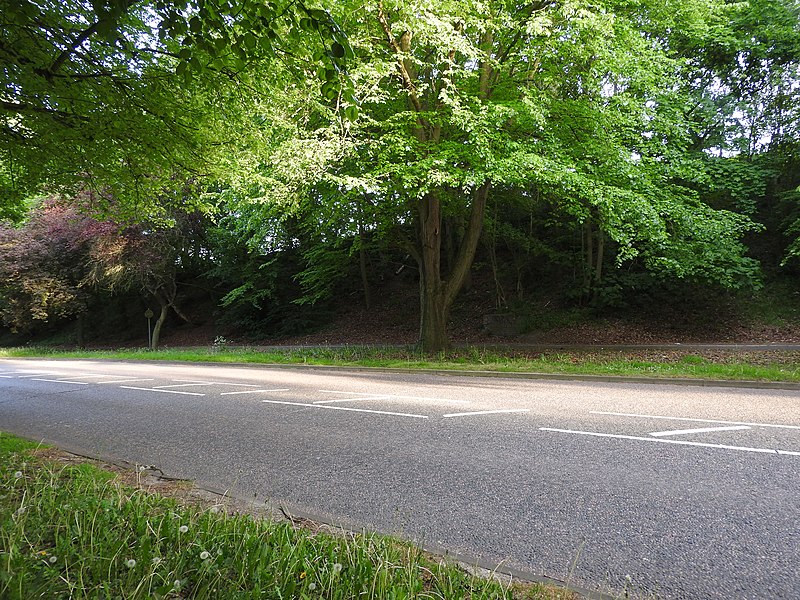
{"x":436,"y":293}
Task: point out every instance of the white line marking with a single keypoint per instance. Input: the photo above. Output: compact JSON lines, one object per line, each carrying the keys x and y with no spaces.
{"x":128,"y":387}
{"x":124,"y":381}
{"x":702,"y":430}
{"x":488,"y":412}
{"x":253,"y":392}
{"x":61,"y":381}
{"x":158,"y":387}
{"x":7,"y":376}
{"x":398,"y":397}
{"x":616,"y":414}
{"x":233,"y":384}
{"x":89,"y":376}
{"x":37,"y":375}
{"x":364,"y":410}
{"x":359,"y":399}
{"x":680,"y":442}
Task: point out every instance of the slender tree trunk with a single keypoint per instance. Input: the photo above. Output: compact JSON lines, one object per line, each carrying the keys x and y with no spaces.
{"x":598,"y":270}
{"x":80,"y":331}
{"x":159,"y":323}
{"x":362,"y":263}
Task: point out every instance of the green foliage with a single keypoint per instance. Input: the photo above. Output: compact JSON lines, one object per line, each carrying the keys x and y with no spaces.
{"x":132,"y":98}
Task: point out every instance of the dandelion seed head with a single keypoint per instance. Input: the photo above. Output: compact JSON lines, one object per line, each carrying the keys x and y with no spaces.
{"x":214,"y":509}
{"x":337,"y":567}
{"x":53,"y":559}
{"x":183,"y":528}
{"x":130,"y":563}
{"x":18,"y":474}
{"x":312,"y":586}
{"x":156,"y":560}
{"x":204,"y":555}
{"x":176,"y":584}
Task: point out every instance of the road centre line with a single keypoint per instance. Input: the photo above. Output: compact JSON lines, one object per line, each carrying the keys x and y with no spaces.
{"x":38,"y":375}
{"x":701,"y":430}
{"x":363,"y":410}
{"x":253,"y":392}
{"x":128,"y":387}
{"x":679,"y":442}
{"x":124,"y":381}
{"x":488,"y":412}
{"x":158,"y":387}
{"x":215,"y":383}
{"x":397,"y":396}
{"x":616,"y":414}
{"x":61,"y":381}
{"x":359,"y":399}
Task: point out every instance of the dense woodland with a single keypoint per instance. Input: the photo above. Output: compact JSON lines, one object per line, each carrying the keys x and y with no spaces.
{"x":260,"y":166}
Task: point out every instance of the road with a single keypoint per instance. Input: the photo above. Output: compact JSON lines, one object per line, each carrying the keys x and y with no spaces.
{"x":674,"y":491}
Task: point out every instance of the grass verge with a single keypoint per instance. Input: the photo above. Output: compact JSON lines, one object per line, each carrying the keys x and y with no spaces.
{"x":767,"y":365}
{"x":75,"y":531}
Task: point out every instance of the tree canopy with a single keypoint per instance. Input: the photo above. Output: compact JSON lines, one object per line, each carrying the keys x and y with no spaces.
{"x":652,"y":134}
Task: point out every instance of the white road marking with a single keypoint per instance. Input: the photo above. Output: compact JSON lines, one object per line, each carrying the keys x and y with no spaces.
{"x":124,"y":381}
{"x":253,"y":392}
{"x":359,"y":399}
{"x":158,"y":387}
{"x":702,"y":430}
{"x":128,"y":387}
{"x":7,"y":376}
{"x":38,"y":375}
{"x":680,"y":442}
{"x":363,"y":410}
{"x":488,"y":412}
{"x":61,"y":381}
{"x":232,"y":384}
{"x":616,"y":414}
{"x":397,"y":396}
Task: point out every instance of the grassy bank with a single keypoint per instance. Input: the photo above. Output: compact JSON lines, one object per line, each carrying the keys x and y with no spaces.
{"x":74,"y":531}
{"x":711,"y":364}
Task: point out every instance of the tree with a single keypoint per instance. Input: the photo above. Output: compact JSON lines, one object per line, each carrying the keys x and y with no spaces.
{"x":146,"y":259}
{"x":573,"y":103}
{"x":130,"y":97}
{"x":42,"y":265}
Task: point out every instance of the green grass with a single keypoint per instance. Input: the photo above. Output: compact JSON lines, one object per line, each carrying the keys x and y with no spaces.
{"x":75,"y":532}
{"x":752,"y":366}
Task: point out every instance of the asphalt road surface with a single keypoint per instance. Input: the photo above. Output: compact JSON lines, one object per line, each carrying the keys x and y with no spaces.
{"x":658,"y":490}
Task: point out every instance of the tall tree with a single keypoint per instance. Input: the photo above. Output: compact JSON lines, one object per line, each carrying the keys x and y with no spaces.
{"x":459,"y":98}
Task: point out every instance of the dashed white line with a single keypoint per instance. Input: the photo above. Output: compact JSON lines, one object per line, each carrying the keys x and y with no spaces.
{"x":253,"y":392}
{"x":124,"y":380}
{"x":399,"y":397}
{"x":679,"y":442}
{"x":128,"y":387}
{"x":691,"y":420}
{"x":488,"y":412}
{"x":159,"y":387}
{"x":359,"y":399}
{"x":60,"y":381}
{"x":701,"y":430}
{"x":37,"y":375}
{"x":362,"y":410}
